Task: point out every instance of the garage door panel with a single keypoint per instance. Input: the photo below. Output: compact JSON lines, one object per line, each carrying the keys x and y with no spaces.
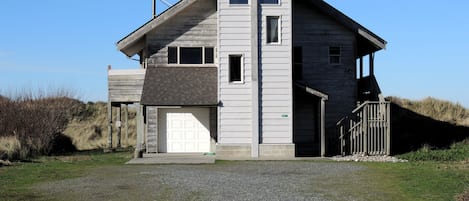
{"x":186,"y":129}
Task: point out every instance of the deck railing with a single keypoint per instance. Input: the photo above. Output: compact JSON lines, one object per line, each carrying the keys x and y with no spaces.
{"x":367,"y":130}
{"x":125,"y":85}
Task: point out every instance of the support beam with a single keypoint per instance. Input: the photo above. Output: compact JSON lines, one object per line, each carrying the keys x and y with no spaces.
{"x":372,"y":62}
{"x":361,"y":67}
{"x":323,"y":127}
{"x":126,"y":119}
{"x":119,"y":126}
{"x":254,"y":78}
{"x":109,"y":127}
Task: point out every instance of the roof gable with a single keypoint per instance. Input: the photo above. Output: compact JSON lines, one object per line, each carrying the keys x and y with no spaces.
{"x":133,"y":43}
{"x":350,"y":24}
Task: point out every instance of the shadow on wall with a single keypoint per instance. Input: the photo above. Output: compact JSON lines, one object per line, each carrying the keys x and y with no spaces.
{"x":410,"y":130}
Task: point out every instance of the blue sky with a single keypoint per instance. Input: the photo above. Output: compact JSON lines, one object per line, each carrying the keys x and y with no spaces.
{"x":68,"y":44}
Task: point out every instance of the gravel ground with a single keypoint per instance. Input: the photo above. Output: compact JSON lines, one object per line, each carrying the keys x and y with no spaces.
{"x":241,"y":180}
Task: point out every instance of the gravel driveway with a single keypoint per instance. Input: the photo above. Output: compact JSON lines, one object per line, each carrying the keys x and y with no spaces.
{"x":240,"y":180}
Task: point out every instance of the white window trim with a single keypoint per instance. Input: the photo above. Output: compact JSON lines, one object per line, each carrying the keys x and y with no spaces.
{"x":242,"y":69}
{"x":178,"y":56}
{"x":279,"y":42}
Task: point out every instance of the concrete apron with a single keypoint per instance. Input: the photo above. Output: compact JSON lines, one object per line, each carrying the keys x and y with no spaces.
{"x":199,"y":158}
{"x":174,"y":158}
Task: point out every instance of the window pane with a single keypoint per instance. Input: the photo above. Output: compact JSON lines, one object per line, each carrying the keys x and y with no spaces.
{"x":334,"y":55}
{"x":172,"y":55}
{"x":209,"y":55}
{"x":334,"y":50}
{"x":269,"y":1}
{"x":190,"y":55}
{"x":235,"y":68}
{"x":298,"y":63}
{"x":238,"y":1}
{"x":272,"y":29}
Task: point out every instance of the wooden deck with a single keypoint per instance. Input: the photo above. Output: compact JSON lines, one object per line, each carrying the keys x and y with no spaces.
{"x":125,"y":86}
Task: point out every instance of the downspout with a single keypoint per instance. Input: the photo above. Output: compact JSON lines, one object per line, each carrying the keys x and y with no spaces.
{"x":255,"y":79}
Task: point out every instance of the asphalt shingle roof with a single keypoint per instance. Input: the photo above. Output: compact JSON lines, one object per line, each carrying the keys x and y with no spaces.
{"x":180,"y":86}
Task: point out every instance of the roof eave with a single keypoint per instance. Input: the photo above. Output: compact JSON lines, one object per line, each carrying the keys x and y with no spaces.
{"x":131,"y":44}
{"x":351,"y":24}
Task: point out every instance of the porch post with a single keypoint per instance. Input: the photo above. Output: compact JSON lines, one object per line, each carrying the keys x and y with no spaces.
{"x":323,"y":125}
{"x":109,"y":126}
{"x":372,"y":67}
{"x":119,"y":125}
{"x":361,"y":67}
{"x":126,"y":117}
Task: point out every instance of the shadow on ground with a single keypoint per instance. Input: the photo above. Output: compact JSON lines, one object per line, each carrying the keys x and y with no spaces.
{"x":410,"y":130}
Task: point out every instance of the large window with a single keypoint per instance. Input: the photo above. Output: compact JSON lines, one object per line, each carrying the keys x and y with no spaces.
{"x":269,"y":1}
{"x":334,"y":54}
{"x":238,"y":1}
{"x":273,"y":29}
{"x":191,"y":55}
{"x":236,"y":68}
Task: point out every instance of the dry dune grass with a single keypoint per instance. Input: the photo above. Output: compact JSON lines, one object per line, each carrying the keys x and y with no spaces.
{"x":10,"y":147}
{"x":89,"y":130}
{"x":437,"y":109}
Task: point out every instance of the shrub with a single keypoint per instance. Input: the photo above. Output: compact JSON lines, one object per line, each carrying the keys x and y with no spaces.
{"x":36,"y":122}
{"x":456,"y":152}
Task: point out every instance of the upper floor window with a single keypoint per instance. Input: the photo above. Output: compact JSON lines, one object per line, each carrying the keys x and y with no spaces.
{"x":238,"y":1}
{"x":269,"y":1}
{"x":190,"y":55}
{"x":334,"y":54}
{"x":298,"y":63}
{"x":273,"y":29}
{"x":235,"y":68}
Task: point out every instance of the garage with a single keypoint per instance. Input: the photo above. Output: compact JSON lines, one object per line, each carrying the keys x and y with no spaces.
{"x":183,"y":130}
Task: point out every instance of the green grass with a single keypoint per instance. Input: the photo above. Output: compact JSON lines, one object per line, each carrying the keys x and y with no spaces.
{"x":16,"y":180}
{"x":457,"y":152}
{"x":421,"y":180}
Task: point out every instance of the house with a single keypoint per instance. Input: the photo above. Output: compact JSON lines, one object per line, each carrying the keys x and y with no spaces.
{"x":248,"y":79}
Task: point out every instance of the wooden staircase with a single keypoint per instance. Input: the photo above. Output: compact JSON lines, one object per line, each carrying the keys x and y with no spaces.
{"x":367,"y":131}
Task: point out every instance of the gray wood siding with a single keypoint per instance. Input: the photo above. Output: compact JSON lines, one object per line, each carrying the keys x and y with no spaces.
{"x":125,"y":85}
{"x":152,"y":129}
{"x":234,"y":26}
{"x":276,"y":84}
{"x":194,"y":27}
{"x":315,"y":32}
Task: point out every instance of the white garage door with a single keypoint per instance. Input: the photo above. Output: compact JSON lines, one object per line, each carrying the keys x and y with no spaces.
{"x":184,"y":130}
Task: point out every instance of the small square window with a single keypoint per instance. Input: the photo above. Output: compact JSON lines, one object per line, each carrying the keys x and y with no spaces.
{"x":172,"y":55}
{"x":238,"y":1}
{"x":334,"y":55}
{"x":235,"y":68}
{"x":269,"y":1}
{"x":273,"y":27}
